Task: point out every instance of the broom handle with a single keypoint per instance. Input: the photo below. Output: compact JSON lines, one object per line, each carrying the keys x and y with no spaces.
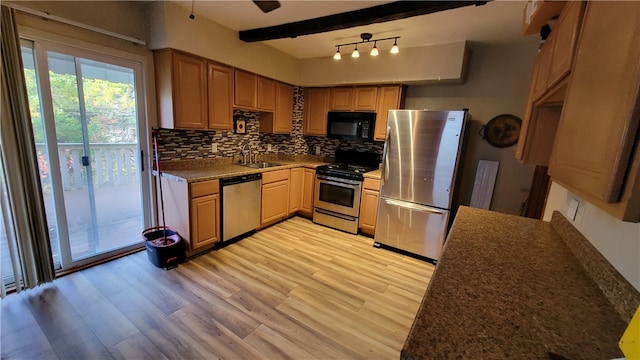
{"x":155,"y":152}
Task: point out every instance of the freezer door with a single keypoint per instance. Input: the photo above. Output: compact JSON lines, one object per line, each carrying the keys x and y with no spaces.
{"x":420,"y":156}
{"x":414,"y":228}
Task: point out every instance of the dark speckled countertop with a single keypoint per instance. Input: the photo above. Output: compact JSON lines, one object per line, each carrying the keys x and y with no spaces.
{"x":203,"y":170}
{"x":513,"y":287}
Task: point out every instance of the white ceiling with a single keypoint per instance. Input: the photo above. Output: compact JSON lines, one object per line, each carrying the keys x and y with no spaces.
{"x":498,"y":21}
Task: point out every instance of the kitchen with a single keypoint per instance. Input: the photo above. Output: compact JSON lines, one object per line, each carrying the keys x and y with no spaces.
{"x":489,"y":64}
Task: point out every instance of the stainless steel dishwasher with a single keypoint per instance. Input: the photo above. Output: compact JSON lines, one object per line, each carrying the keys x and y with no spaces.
{"x":241,"y":204}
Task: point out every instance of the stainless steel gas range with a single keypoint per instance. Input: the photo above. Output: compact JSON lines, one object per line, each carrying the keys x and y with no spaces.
{"x":338,"y":188}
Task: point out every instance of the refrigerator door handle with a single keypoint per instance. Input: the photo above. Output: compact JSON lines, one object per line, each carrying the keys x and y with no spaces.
{"x":385,"y":170}
{"x":411,"y":206}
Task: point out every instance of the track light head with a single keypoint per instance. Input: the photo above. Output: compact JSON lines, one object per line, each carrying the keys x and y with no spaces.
{"x":355,"y":53}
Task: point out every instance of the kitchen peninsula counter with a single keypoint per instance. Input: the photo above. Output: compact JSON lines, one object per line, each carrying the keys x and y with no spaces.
{"x":513,"y":287}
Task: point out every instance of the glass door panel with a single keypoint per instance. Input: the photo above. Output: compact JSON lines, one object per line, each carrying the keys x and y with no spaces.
{"x":86,"y":124}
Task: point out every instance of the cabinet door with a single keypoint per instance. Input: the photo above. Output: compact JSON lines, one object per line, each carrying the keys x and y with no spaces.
{"x":220,"y":95}
{"x":565,"y":41}
{"x":544,"y":63}
{"x":316,"y":106}
{"x":205,"y":224}
{"x":266,"y":94}
{"x":365,"y":98}
{"x":599,"y":123}
{"x":295,"y":190}
{"x":274,"y":201}
{"x":308,"y":191}
{"x":245,"y":94}
{"x":368,"y":210}
{"x":284,"y":109}
{"x":389,"y":98}
{"x":190,"y":92}
{"x":342,"y":98}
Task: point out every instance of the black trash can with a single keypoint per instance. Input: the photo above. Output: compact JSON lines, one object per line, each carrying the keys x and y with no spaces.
{"x":165,"y":248}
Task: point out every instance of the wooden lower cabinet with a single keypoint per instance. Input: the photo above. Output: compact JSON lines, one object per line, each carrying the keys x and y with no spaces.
{"x":193,"y":210}
{"x":369,"y":206}
{"x":295,"y":190}
{"x":205,"y":231}
{"x":275,"y":196}
{"x":308,"y":191}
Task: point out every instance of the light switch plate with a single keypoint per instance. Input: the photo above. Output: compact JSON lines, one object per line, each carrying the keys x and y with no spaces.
{"x":318,"y":150}
{"x":214,"y":147}
{"x":572,"y":209}
{"x":268,"y":147}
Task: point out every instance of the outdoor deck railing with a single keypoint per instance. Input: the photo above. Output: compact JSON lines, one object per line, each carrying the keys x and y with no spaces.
{"x":111,"y":164}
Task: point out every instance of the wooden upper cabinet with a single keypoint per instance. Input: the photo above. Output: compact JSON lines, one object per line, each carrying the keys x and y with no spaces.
{"x":220,"y":96}
{"x":365,"y":98}
{"x":342,"y":98}
{"x":359,"y":98}
{"x":284,"y":109}
{"x":246,"y":85}
{"x":541,"y":79}
{"x":281,"y":120}
{"x":598,"y":132}
{"x":266,"y":94}
{"x":549,"y":82}
{"x":316,"y":106}
{"x":181,"y":90}
{"x":565,"y":41}
{"x":390,"y":97}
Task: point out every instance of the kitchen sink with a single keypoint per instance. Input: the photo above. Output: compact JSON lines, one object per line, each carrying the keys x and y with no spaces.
{"x":261,"y":165}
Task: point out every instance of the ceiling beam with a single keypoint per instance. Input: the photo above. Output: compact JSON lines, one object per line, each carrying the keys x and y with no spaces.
{"x":376,"y":14}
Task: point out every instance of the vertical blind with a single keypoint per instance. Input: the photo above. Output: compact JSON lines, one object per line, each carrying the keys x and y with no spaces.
{"x":23,"y":212}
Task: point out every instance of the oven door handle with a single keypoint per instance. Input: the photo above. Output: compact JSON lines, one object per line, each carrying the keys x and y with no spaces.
{"x":411,"y":206}
{"x":338,"y":181}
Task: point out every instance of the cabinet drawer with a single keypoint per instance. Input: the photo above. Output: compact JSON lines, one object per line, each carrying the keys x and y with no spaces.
{"x":203,"y":188}
{"x":273,"y":176}
{"x":371,"y":184}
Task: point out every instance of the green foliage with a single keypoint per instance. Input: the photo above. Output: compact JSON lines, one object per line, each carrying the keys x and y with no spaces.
{"x":110,"y":108}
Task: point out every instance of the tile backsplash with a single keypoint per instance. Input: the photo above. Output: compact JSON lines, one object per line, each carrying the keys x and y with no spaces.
{"x":196,"y":144}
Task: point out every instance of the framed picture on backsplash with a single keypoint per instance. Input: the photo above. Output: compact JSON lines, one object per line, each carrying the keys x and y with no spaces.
{"x":240,"y":127}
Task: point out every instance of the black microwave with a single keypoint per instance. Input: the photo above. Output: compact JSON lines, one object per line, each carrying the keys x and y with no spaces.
{"x":351,"y":125}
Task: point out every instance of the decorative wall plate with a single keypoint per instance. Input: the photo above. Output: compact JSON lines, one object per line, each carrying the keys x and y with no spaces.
{"x":240,"y":127}
{"x":502,"y":131}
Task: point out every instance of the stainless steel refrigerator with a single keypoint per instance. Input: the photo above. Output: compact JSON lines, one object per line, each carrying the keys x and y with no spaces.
{"x":419,"y":165}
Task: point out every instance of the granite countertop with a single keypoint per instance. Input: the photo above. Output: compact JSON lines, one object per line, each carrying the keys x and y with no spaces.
{"x":375,"y":174}
{"x":513,"y":287}
{"x":194,"y":171}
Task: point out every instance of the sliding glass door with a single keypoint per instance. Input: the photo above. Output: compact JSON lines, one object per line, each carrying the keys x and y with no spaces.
{"x":87,"y":122}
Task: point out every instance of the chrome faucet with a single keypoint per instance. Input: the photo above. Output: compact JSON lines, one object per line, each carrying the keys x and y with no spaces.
{"x":242,"y":151}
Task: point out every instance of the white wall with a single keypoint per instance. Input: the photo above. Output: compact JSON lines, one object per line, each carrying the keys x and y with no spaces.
{"x":171,"y":27}
{"x":616,"y":240}
{"x":434,"y":63}
{"x":497,"y":83}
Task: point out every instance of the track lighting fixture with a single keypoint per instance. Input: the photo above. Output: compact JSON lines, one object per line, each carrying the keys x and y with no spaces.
{"x":366,"y":38}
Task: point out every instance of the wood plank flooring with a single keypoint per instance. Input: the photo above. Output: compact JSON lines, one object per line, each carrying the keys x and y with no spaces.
{"x":295,"y":290}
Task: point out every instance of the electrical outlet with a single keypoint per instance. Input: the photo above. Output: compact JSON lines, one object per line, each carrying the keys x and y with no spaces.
{"x":268,"y":147}
{"x":214,"y":147}
{"x":318,"y":150}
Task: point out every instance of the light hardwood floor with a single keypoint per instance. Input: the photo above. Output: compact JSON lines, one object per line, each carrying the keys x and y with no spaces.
{"x":295,"y":290}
